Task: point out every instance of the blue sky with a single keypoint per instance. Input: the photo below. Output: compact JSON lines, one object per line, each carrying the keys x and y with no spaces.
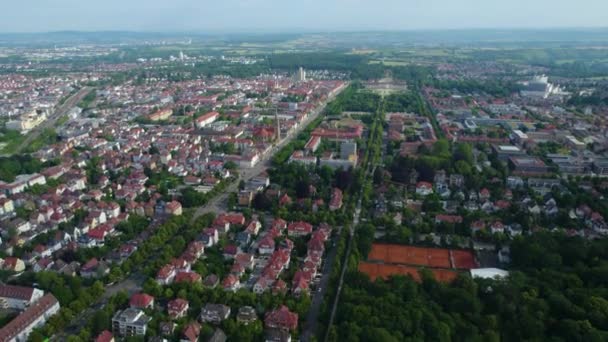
{"x":292,"y":15}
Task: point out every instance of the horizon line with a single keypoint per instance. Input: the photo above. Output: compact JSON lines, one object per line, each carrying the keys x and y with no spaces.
{"x":246,"y":31}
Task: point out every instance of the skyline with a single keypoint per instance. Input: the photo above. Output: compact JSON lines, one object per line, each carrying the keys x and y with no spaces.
{"x":274,"y":16}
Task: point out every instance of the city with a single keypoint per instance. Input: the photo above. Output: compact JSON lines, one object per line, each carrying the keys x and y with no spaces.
{"x":348,"y":186}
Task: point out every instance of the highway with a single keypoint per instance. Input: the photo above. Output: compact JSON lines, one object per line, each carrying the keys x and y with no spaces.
{"x":60,"y":110}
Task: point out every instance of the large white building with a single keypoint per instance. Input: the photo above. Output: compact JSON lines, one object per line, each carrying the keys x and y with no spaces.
{"x":130,"y":322}
{"x":539,"y":86}
{"x":206,"y":119}
{"x":301,"y":75}
{"x":27,"y":121}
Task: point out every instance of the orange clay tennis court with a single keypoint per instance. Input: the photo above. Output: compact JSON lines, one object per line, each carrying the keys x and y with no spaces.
{"x":410,"y":255}
{"x":463,"y":259}
{"x":384,"y":271}
{"x":387,"y":259}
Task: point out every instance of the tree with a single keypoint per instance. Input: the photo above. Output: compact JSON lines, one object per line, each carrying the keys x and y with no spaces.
{"x":99,"y":322}
{"x":262,"y":202}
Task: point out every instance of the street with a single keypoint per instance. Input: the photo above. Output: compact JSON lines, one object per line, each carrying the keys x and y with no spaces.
{"x":312,"y":318}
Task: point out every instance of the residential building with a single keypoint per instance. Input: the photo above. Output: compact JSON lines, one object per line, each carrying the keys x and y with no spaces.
{"x":34,"y":316}
{"x":130,"y":322}
{"x":18,"y":297}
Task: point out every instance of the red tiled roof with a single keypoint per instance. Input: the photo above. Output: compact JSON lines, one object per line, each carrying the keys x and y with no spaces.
{"x":105,"y":336}
{"x":141,"y":300}
{"x":281,"y":318}
{"x":189,"y":277}
{"x":16,"y":292}
{"x":27,"y":317}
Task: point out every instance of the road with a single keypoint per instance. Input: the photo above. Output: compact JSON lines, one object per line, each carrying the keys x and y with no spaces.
{"x":312,"y":318}
{"x":344,"y":267}
{"x":60,"y":111}
{"x":220,"y":203}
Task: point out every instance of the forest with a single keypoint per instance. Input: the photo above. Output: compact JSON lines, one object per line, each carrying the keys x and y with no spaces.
{"x":556,"y":292}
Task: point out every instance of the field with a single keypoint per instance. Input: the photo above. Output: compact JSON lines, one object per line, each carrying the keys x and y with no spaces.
{"x":385,"y":260}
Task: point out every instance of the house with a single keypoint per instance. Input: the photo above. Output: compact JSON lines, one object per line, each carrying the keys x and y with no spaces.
{"x":246,"y":315}
{"x":285,"y":200}
{"x":246,"y":260}
{"x":231,"y":283}
{"x":218,"y":336}
{"x":243,"y":238}
{"x":279,"y":287}
{"x":6,"y":206}
{"x":166,"y":329}
{"x":173,"y":208}
{"x":188,"y":277}
{"x":177,"y":308}
{"x":424,"y":188}
{"x":105,"y":336}
{"x":20,"y":225}
{"x":18,"y":297}
{"x":94,"y":269}
{"x":449,"y":219}
{"x":262,"y":284}
{"x":180,"y":264}
{"x":477,"y":226}
{"x":456,"y":180}
{"x":277,"y":335}
{"x":299,"y":228}
{"x":210,"y":237}
{"x":253,"y":227}
{"x":13,"y":264}
{"x":279,"y":224}
{"x":230,"y":251}
{"x":266,"y":245}
{"x":196,"y":248}
{"x":166,"y":275}
{"x":130,"y":322}
{"x":141,"y":301}
{"x":34,"y":316}
{"x":301,"y":282}
{"x":484,"y":194}
{"x":206,"y":119}
{"x":281,"y":319}
{"x":211,"y":281}
{"x":43,"y":264}
{"x":497,"y":227}
{"x":191,"y":332}
{"x":214,"y":313}
{"x":335,"y":202}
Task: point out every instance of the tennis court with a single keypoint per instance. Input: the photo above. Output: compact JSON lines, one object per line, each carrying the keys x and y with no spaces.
{"x":463,"y":259}
{"x":389,"y":259}
{"x":410,"y":255}
{"x":384,"y":271}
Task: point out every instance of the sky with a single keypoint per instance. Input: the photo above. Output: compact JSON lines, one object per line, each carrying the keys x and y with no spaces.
{"x":243,"y":16}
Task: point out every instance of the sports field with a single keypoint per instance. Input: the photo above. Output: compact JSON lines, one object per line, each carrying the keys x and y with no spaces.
{"x":386,"y":270}
{"x":385,"y":260}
